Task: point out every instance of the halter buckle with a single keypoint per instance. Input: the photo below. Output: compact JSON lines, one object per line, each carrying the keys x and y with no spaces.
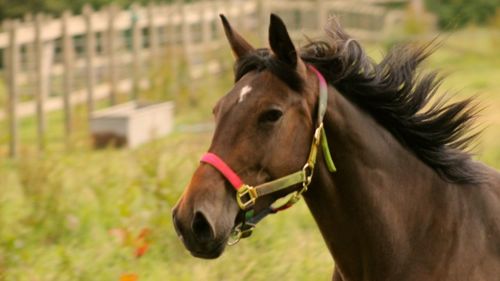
{"x":246,"y":197}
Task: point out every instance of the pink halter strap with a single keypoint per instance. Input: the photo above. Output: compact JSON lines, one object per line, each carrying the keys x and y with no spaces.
{"x":223,"y":168}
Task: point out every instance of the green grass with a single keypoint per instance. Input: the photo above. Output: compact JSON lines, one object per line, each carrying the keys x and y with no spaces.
{"x":60,"y":211}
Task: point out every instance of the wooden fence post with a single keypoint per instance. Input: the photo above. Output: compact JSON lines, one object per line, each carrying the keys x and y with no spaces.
{"x":12,"y":63}
{"x":206,"y":26}
{"x":173,"y":50}
{"x":220,"y":37}
{"x":89,"y":57}
{"x":186,"y":48}
{"x":68,"y":50}
{"x":206,"y":35}
{"x":136,"y":52}
{"x":111,"y":44}
{"x":29,"y":66}
{"x":153,"y":35}
{"x":166,"y":14}
{"x":234,"y":6}
{"x":40,"y":87}
{"x":263,"y":14}
{"x":322,"y":14}
{"x":219,"y":30}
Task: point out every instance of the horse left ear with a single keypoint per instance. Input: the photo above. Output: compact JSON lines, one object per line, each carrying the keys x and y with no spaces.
{"x":280,"y":42}
{"x":239,"y":45}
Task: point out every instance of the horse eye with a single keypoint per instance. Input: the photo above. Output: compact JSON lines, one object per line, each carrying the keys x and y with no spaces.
{"x":270,"y":116}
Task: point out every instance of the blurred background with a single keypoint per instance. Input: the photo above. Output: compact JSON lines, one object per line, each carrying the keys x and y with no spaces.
{"x":105,"y":108}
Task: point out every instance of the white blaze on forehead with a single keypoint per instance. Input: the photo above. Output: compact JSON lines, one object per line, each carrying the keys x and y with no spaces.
{"x":244,"y":91}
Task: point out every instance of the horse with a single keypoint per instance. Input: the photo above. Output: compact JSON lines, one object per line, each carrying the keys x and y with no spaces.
{"x":383,"y":162}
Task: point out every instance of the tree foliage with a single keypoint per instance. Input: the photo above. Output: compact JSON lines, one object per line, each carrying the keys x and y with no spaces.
{"x":18,"y":8}
{"x":456,"y":13}
{"x":451,"y":13}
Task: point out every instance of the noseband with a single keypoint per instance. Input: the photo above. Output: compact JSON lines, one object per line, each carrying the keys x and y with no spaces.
{"x":247,"y":195}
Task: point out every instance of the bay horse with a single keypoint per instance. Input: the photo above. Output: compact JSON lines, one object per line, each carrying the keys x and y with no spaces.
{"x":383,"y":164}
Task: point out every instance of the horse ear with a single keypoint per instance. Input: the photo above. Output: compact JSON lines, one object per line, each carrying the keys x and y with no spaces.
{"x":239,"y":45}
{"x":280,"y":41}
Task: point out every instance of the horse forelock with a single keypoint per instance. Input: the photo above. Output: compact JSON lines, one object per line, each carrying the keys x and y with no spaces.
{"x":262,"y":59}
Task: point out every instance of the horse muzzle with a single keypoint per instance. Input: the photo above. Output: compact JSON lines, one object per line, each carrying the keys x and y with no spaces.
{"x":198,"y":234}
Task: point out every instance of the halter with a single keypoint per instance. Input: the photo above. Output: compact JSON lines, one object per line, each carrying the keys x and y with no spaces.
{"x":247,"y":195}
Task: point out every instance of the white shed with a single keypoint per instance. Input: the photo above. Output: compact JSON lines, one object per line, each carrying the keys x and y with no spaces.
{"x":131,"y":124}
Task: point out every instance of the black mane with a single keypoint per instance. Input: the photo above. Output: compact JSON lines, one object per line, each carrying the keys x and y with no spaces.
{"x":392,"y":91}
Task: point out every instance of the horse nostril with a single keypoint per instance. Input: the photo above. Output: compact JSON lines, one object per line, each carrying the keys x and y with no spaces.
{"x":203,"y":231}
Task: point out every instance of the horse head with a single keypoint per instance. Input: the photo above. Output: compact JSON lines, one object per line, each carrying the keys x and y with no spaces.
{"x":264,"y":128}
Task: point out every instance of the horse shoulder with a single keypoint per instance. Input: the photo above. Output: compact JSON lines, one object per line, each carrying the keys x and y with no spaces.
{"x":483,"y":233}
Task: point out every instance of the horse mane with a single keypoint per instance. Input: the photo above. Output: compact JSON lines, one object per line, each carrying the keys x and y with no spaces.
{"x":400,"y":99}
{"x":403,"y":101}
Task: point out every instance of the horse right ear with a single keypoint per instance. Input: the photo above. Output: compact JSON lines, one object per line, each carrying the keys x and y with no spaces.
{"x":239,"y":45}
{"x":280,"y":41}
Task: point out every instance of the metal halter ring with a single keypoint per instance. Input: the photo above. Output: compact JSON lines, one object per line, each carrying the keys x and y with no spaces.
{"x":308,"y":174}
{"x":237,"y":233}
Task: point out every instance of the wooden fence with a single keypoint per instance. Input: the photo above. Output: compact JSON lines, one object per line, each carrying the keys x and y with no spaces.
{"x":51,"y":64}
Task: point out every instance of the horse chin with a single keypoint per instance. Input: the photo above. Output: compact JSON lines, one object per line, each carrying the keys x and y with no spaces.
{"x":212,"y":253}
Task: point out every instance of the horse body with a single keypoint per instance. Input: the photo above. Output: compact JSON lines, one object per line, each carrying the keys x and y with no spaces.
{"x":388,"y":216}
{"x":407,"y":201}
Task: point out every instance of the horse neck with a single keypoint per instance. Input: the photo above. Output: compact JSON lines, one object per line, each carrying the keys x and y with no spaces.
{"x":373,"y":206}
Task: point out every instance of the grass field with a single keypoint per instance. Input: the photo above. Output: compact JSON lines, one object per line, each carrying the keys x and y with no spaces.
{"x":79,"y":215}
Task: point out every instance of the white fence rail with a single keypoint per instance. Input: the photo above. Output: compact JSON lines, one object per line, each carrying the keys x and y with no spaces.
{"x":52,"y":64}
